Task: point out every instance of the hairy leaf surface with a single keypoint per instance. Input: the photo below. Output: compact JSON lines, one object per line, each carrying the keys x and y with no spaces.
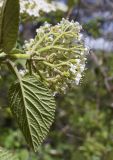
{"x":33,"y":107}
{"x":9,"y":23}
{"x":6,"y":155}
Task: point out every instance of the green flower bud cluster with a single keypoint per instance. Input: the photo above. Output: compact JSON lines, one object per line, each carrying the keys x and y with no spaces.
{"x":59,"y":54}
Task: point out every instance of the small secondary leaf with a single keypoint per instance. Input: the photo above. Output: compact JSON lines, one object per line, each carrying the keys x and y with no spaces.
{"x":6,"y":155}
{"x":9,"y":23}
{"x":33,"y":107}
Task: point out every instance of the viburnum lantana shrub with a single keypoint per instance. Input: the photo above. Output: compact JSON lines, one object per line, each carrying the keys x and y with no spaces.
{"x":55,"y":61}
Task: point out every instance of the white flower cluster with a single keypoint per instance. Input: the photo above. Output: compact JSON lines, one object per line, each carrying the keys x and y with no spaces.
{"x":33,"y":7}
{"x":59,"y":54}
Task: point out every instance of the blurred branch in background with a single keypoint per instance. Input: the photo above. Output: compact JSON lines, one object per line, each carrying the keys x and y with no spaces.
{"x":103,"y":71}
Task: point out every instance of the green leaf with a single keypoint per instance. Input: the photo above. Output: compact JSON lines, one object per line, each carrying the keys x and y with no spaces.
{"x":33,"y":107}
{"x":9,"y":23}
{"x":6,"y":155}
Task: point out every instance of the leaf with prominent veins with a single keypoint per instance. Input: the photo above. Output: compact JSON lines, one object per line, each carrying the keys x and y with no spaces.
{"x":33,"y":107}
{"x":6,"y":155}
{"x":9,"y":24}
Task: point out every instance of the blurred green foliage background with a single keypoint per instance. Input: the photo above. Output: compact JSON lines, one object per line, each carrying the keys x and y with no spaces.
{"x":83,"y":127}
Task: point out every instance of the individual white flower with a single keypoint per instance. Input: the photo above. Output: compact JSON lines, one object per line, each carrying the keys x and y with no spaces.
{"x":73,"y":68}
{"x":22,"y":72}
{"x":82,"y":67}
{"x":77,"y":78}
{"x":29,"y":45}
{"x":80,"y":37}
{"x":77,"y":61}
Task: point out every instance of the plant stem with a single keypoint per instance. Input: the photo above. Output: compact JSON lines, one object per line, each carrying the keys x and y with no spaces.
{"x":59,"y":48}
{"x":19,"y":56}
{"x":4,"y":56}
{"x":14,"y":69}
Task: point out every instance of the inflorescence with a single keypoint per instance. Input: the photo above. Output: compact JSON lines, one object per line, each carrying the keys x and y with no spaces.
{"x":33,"y":7}
{"x":59,"y":54}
